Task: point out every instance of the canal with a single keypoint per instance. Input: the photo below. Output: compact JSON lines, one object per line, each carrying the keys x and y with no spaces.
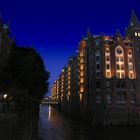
{"x":54,"y":125}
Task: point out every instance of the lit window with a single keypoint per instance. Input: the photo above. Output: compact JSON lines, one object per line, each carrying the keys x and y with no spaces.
{"x":108,"y":74}
{"x":139,"y":34}
{"x":81,"y":73}
{"x":81,"y":67}
{"x":136,"y":34}
{"x":107,"y":63}
{"x":122,"y":67}
{"x":131,"y":75}
{"x":120,"y":72}
{"x":130,"y":65}
{"x":82,"y":80}
{"x":81,"y":60}
{"x":107,"y":58}
{"x":81,"y":54}
{"x":81,"y":89}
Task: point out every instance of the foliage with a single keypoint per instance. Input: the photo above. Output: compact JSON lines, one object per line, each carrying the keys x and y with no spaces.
{"x":25,"y":74}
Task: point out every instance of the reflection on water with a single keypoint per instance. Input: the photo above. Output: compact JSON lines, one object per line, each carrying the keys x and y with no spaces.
{"x":56,"y":126}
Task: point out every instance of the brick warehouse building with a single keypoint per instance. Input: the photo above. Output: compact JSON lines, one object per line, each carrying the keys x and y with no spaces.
{"x":102,"y":82}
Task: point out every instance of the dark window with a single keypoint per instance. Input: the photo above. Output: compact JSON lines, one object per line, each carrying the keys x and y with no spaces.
{"x":98,"y":85}
{"x":108,"y":84}
{"x":97,"y":74}
{"x":97,"y":58}
{"x":98,"y":66}
{"x":121,"y":98}
{"x":121,"y":85}
{"x":132,"y":85}
{"x":97,"y":42}
{"x":108,"y":66}
{"x":98,"y":98}
{"x":108,"y":98}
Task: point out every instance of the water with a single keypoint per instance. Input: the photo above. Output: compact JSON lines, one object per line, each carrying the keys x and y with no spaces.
{"x":54,"y":125}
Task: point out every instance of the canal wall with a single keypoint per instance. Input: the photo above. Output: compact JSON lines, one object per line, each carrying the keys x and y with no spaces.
{"x":103,"y":116}
{"x":18,"y":127}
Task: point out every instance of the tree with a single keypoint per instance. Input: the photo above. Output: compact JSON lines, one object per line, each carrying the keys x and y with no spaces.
{"x":24,"y":75}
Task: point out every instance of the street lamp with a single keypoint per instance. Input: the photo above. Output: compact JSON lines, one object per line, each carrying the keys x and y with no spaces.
{"x":5,"y":96}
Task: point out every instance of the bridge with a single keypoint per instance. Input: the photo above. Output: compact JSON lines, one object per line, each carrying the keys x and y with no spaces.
{"x":48,"y":101}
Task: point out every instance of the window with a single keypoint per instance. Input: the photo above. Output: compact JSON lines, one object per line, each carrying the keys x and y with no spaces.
{"x":121,"y":59}
{"x":121,"y":85}
{"x":130,"y":65}
{"x":120,"y":69}
{"x":118,"y":74}
{"x":139,"y":34}
{"x":129,"y":59}
{"x":97,"y":66}
{"x":98,"y":98}
{"x":108,"y":99}
{"x":97,"y":42}
{"x":98,"y":85}
{"x":117,"y":66}
{"x":107,"y":63}
{"x":133,"y":100}
{"x":97,"y":58}
{"x":107,"y":66}
{"x":108,"y":74}
{"x":132,"y":85}
{"x":97,"y":74}
{"x":121,"y":98}
{"x":107,"y":58}
{"x":117,"y":58}
{"x":108,"y":84}
{"x":136,"y":34}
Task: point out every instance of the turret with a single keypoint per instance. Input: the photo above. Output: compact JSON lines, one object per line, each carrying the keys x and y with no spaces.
{"x":133,"y":30}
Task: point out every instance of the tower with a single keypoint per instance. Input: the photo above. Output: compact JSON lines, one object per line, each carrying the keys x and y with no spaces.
{"x":133,"y":33}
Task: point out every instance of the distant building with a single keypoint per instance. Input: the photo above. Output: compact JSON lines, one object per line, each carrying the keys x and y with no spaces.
{"x":6,"y":43}
{"x":103,"y":80}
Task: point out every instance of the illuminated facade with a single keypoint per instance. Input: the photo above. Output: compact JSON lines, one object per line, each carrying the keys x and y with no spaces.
{"x":105,"y":75}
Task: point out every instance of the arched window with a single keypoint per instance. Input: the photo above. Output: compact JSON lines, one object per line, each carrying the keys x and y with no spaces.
{"x":120,"y":69}
{"x":130,"y":65}
{"x":107,"y":63}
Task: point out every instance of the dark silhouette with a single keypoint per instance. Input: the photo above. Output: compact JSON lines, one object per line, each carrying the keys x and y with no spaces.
{"x":24,"y":77}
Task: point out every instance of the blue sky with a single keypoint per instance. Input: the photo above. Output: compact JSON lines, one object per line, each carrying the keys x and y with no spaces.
{"x":55,"y":27}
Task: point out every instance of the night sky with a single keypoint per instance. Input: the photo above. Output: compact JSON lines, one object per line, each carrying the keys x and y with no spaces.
{"x":55,"y":27}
